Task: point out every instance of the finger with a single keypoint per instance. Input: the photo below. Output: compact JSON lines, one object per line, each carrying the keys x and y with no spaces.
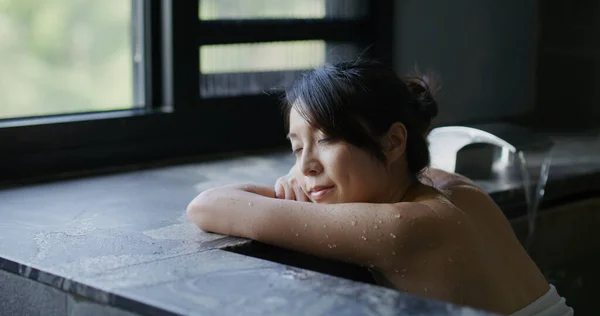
{"x":279,"y":191}
{"x":289,"y":193}
{"x":300,"y":196}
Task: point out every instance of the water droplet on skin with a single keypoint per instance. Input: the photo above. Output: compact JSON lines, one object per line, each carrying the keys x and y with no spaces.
{"x":378,"y":253}
{"x":353,"y":223}
{"x":329,"y":246}
{"x":458,"y":222}
{"x":396,"y":270}
{"x":364,"y":231}
{"x":333,"y":246}
{"x":376,"y":226}
{"x":371,"y":266}
{"x":326,"y":236}
{"x":297,"y":234}
{"x":426,"y":290}
{"x":380,"y":222}
{"x":364,"y":238}
{"x":324,"y":226}
{"x":397,"y":216}
{"x":404,"y":270}
{"x":450,"y":259}
{"x":249,"y":203}
{"x":393,"y":253}
{"x":305,"y":225}
{"x":378,"y":240}
{"x":393,"y":236}
{"x":402,"y":276}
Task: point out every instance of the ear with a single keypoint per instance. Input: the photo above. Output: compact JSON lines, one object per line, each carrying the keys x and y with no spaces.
{"x":394,"y":142}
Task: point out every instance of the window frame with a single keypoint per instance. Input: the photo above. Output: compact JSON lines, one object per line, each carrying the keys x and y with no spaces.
{"x":176,"y":124}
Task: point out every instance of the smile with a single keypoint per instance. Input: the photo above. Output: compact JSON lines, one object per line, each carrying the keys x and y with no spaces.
{"x":320,"y":192}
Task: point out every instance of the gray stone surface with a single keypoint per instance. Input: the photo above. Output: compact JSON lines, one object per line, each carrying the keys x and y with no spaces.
{"x":224,"y":283}
{"x":87,"y":225}
{"x":20,"y":296}
{"x":123,"y":240}
{"x":78,"y":306}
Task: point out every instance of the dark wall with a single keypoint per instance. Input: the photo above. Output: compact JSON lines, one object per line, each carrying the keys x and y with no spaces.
{"x":484,"y":50}
{"x":568,"y":90}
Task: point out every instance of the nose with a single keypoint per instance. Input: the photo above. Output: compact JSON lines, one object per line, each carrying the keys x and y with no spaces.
{"x":310,"y":164}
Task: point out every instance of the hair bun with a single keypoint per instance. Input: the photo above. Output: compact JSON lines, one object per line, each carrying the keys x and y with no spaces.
{"x":423,"y":88}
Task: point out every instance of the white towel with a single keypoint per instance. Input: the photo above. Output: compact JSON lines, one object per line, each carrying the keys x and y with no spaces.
{"x":550,"y":304}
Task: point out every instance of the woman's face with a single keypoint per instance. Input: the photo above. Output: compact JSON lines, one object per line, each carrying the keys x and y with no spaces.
{"x":334,"y":171}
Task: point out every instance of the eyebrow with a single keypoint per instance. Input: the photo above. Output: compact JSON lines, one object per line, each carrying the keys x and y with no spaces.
{"x":291,"y":135}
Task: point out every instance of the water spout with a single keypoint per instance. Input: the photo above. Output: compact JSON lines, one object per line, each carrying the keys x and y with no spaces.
{"x":512,"y":143}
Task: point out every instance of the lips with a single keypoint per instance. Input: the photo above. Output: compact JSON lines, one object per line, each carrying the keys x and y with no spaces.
{"x":318,"y":192}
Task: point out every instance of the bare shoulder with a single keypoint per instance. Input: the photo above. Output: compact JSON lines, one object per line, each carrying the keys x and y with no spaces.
{"x":430,"y":219}
{"x":435,"y":205}
{"x":465,"y":205}
{"x":439,"y":215}
{"x":468,"y":197}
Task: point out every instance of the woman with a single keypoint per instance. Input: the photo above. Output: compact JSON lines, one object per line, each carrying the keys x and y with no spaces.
{"x":355,"y":195}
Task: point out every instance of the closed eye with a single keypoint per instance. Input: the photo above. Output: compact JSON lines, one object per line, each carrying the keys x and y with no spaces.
{"x":324,"y":140}
{"x":297,"y":151}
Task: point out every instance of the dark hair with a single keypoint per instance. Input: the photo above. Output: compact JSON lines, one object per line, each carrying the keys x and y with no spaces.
{"x":358,"y":101}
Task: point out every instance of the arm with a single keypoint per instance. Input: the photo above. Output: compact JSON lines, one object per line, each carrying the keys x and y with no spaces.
{"x":359,"y":233}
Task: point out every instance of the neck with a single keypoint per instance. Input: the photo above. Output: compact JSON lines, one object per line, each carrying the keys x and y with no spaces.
{"x":401,"y":183}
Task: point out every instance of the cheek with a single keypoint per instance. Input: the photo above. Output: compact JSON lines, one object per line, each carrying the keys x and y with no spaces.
{"x":339,"y":165}
{"x":367,"y":177}
{"x":357,"y":174}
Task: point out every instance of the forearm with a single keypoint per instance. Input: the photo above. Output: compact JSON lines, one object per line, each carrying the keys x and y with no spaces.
{"x":250,"y":188}
{"x":228,"y":209}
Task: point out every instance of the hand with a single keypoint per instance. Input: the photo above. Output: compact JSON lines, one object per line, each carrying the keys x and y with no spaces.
{"x":287,"y":188}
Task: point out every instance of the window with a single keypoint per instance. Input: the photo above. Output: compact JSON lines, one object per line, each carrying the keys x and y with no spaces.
{"x":241,"y":69}
{"x":101,"y":83}
{"x":235,"y":69}
{"x":281,"y":9}
{"x":66,"y":56}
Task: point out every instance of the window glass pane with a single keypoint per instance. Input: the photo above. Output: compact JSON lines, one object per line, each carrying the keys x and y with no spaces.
{"x":261,"y":56}
{"x":281,"y":9}
{"x":246,"y":69}
{"x":65,"y":56}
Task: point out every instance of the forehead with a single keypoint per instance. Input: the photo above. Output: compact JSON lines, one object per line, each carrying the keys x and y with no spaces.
{"x":297,"y":122}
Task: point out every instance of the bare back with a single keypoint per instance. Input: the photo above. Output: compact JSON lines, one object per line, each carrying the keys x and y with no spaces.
{"x":477,"y":262}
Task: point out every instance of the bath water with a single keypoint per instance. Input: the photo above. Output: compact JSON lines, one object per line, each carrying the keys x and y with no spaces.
{"x":533,"y":196}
